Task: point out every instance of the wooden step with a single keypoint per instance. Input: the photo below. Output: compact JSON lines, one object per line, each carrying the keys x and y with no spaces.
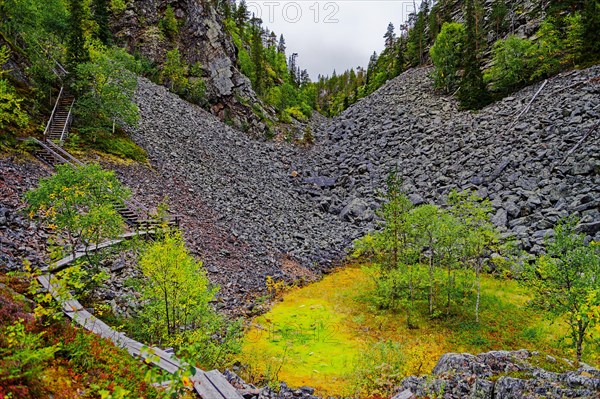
{"x":213,"y":385}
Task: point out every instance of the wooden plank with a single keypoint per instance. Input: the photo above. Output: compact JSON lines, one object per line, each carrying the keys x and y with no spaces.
{"x":204,"y":388}
{"x":222,"y":385}
{"x":68,"y":303}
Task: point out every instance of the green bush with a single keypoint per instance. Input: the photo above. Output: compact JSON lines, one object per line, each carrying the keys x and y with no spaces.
{"x":380,"y":369}
{"x":447,"y":55}
{"x":177,"y":310}
{"x":182,"y":79}
{"x":168,"y":25}
{"x":518,"y":62}
{"x":23,"y":353}
{"x":512,"y":67}
{"x":106,"y":85}
{"x":10,"y":104}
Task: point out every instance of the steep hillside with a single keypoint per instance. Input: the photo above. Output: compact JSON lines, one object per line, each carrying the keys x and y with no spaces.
{"x":520,"y":163}
{"x":254,"y":187}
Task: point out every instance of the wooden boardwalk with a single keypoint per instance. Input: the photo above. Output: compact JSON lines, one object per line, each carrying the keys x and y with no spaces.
{"x":208,"y":385}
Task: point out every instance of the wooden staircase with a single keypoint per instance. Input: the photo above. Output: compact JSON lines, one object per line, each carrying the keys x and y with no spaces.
{"x":60,"y":120}
{"x":135,"y":214}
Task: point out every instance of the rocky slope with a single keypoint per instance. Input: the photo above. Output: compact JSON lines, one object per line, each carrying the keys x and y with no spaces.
{"x":253,"y":187}
{"x":519,"y":163}
{"x":20,"y":238}
{"x":284,"y":201}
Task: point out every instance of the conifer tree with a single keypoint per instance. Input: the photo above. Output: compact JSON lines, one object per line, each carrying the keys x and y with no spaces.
{"x":76,"y":51}
{"x":258,"y":56}
{"x":400,"y":59}
{"x":591,"y":30}
{"x":390,"y":36}
{"x":101,"y":16}
{"x":292,"y":65}
{"x":371,"y":66}
{"x":241,"y":13}
{"x":473,"y":93}
{"x":281,"y":45}
{"x":417,"y":38}
{"x":498,"y":16}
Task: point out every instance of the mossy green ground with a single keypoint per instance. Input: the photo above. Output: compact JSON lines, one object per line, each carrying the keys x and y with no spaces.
{"x":320,"y":335}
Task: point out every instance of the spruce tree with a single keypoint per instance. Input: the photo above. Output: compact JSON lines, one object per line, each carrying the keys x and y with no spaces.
{"x":281,"y":45}
{"x":258,"y":56}
{"x":400,"y":59}
{"x":591,"y":30}
{"x":76,"y":51}
{"x":473,"y":93}
{"x":241,"y":14}
{"x":102,"y":16}
{"x":390,"y":36}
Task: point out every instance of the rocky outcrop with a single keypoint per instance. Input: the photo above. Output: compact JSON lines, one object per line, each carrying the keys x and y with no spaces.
{"x":202,"y":38}
{"x":503,"y":375}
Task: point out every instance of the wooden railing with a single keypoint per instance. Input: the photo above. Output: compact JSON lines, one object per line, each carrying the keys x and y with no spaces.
{"x":73,"y":161}
{"x":53,"y":112}
{"x":67,"y":124}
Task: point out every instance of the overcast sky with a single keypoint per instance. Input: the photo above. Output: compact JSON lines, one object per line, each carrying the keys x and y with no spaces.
{"x":342,"y":35}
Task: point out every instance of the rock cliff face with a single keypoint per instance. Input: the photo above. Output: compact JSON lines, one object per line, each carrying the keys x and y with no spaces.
{"x":201,"y":37}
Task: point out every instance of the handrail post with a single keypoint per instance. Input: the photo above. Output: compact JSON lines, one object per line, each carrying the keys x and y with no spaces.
{"x":67,"y":123}
{"x":52,"y":114}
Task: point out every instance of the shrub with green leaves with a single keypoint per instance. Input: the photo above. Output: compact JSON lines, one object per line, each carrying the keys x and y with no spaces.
{"x":106,"y":86}
{"x":10,"y":104}
{"x":23,"y":353}
{"x":512,"y":67}
{"x":79,"y":203}
{"x":447,"y":55}
{"x":177,"y":308}
{"x":565,"y":282}
{"x":517,"y":62}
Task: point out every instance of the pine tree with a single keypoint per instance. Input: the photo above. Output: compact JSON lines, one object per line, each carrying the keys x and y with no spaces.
{"x":371,"y":67}
{"x":101,"y":16}
{"x":498,"y":16}
{"x":473,"y":93}
{"x":400,"y":59}
{"x":417,"y":38}
{"x":591,"y":30}
{"x":76,"y":51}
{"x":281,"y":45}
{"x":258,"y":55}
{"x":390,"y":36}
{"x":241,"y":14}
{"x":293,"y":67}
